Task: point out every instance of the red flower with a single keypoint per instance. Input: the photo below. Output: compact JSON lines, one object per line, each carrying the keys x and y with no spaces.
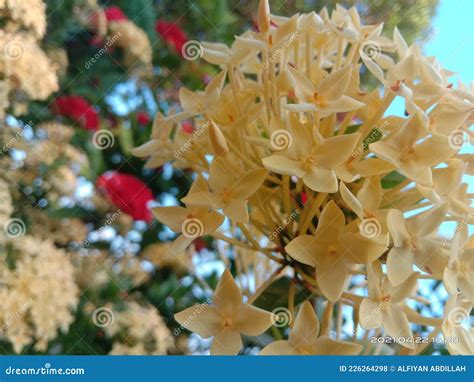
{"x":199,"y":244}
{"x":143,"y":118}
{"x":128,"y":193}
{"x":172,"y":34}
{"x":115,"y":13}
{"x":79,"y":110}
{"x":187,"y":127}
{"x":304,"y":198}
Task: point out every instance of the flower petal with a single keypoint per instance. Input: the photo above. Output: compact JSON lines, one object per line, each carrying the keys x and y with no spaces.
{"x":327,"y":346}
{"x":226,"y":342}
{"x":402,"y":291}
{"x":361,"y":250}
{"x":450,"y":280}
{"x":321,"y":180}
{"x":300,"y":107}
{"x":370,"y":195}
{"x":190,"y":101}
{"x":331,"y":222}
{"x":342,"y":105}
{"x":250,"y":183}
{"x":283,"y":165}
{"x":173,"y":216}
{"x":332,"y":279}
{"x":304,"y":87}
{"x":252,"y":321}
{"x":335,"y":85}
{"x":303,"y":249}
{"x":306,"y":327}
{"x":203,"y":199}
{"x":352,"y":202}
{"x":201,"y":319}
{"x":227,"y":296}
{"x":395,"y":322}
{"x":237,"y":211}
{"x":279,"y":348}
{"x":427,"y":222}
{"x":336,"y":150}
{"x":467,"y":288}
{"x":370,"y":314}
{"x":220,"y":176}
{"x":397,"y":226}
{"x":400,"y":264}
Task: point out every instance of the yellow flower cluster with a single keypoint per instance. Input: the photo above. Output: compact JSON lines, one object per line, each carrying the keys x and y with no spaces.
{"x":144,"y":330}
{"x":27,"y":72}
{"x":38,"y":295}
{"x":133,"y":40}
{"x":29,"y":14}
{"x":124,"y":34}
{"x":286,"y":126}
{"x":6,"y":208}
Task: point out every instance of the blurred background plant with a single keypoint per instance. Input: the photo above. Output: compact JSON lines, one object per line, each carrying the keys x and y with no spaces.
{"x":80,"y":82}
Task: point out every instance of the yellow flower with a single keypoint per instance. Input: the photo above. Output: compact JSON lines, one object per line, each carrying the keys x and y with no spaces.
{"x":226,"y":319}
{"x":381,"y":309}
{"x":456,"y":311}
{"x":229,"y":191}
{"x":327,"y":97}
{"x":304,"y":339}
{"x":414,"y":242}
{"x":199,"y":102}
{"x":413,"y":158}
{"x":192,"y":222}
{"x":314,"y":163}
{"x":367,"y":203}
{"x":459,"y":274}
{"x":448,"y":188}
{"x":289,"y":127}
{"x":448,"y":116}
{"x":333,"y":249}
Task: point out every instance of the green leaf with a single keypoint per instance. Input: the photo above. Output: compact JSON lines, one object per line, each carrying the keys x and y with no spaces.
{"x":126,"y":139}
{"x":392,"y":179}
{"x":352,"y":129}
{"x":374,"y":136}
{"x":276,"y":295}
{"x":70,"y":212}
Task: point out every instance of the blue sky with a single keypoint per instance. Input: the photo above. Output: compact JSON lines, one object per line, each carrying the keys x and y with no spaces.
{"x":452,"y":43}
{"x":452,"y":40}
